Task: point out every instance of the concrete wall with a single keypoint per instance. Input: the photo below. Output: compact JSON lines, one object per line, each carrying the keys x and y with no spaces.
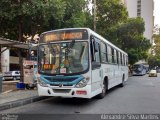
{"x":131,"y":7}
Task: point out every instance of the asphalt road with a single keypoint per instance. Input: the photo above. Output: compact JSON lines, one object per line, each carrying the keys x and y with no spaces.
{"x":140,"y":95}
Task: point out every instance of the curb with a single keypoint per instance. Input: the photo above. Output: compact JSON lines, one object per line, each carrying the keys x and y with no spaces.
{"x":21,"y":102}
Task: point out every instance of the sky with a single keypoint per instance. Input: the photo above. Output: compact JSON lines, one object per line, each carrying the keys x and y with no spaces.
{"x":157,"y":12}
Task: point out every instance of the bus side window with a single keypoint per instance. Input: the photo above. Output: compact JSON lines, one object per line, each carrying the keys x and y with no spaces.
{"x":97,"y":51}
{"x":112,"y":55}
{"x":103,"y":53}
{"x":109,"y":54}
{"x":121,"y":59}
{"x":117,"y":57}
{"x":124,"y":59}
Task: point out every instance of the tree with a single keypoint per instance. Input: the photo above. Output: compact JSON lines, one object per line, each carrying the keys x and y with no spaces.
{"x":76,"y":14}
{"x":22,"y":18}
{"x":126,"y":33}
{"x":154,"y":60}
{"x":157,"y":44}
{"x":109,"y":14}
{"x":130,"y":38}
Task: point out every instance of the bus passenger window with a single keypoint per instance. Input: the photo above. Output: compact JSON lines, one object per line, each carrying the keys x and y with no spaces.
{"x":97,"y":52}
{"x":109,"y":54}
{"x":121,"y":58}
{"x":112,"y":51}
{"x":117,"y":57}
{"x":103,"y":52}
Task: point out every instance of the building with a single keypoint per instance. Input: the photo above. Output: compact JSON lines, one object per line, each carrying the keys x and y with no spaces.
{"x":144,"y":9}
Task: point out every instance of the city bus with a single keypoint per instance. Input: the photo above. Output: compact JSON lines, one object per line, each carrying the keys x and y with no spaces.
{"x":77,"y":62}
{"x":140,"y":69}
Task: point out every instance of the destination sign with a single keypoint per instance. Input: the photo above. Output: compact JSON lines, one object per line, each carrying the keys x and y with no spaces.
{"x":63,"y":36}
{"x":80,"y":34}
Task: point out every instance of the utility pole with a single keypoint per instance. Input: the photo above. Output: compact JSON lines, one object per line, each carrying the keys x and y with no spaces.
{"x":94,"y":14}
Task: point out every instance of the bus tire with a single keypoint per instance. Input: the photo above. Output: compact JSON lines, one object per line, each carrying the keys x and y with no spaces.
{"x":104,"y":89}
{"x":122,"y":84}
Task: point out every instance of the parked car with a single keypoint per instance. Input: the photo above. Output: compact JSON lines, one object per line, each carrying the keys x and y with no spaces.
{"x":11,"y":75}
{"x":153,"y":73}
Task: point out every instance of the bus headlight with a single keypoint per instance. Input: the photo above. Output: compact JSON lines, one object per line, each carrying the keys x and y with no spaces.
{"x":82,"y":83}
{"x":41,"y":83}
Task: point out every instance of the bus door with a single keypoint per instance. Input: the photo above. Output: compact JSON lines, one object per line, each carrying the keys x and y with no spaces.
{"x":96,"y":64}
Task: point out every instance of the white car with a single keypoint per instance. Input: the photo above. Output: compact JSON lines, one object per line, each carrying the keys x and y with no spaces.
{"x":153,"y":73}
{"x":11,"y":75}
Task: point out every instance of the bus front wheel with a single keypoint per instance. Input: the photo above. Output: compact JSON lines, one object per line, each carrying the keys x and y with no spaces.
{"x":104,"y":89}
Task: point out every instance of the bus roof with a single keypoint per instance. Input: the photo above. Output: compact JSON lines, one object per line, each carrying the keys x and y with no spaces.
{"x":90,"y":32}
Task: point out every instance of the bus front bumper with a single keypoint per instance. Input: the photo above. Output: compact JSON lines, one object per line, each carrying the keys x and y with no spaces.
{"x":65,"y":92}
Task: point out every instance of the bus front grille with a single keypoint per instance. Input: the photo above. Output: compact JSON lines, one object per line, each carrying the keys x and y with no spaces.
{"x":61,"y":90}
{"x":58,"y":85}
{"x":60,"y":79}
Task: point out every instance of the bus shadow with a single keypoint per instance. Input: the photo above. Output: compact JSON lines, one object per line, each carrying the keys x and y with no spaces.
{"x":79,"y":101}
{"x":69,"y":101}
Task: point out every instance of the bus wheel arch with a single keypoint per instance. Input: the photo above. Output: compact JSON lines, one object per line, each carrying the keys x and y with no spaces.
{"x":104,"y":88}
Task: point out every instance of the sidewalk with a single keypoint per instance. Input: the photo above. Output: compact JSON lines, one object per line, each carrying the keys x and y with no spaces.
{"x":15,"y":98}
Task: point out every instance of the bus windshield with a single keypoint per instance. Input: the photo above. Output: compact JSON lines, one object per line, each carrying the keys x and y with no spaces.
{"x":138,"y":67}
{"x":63,"y":58}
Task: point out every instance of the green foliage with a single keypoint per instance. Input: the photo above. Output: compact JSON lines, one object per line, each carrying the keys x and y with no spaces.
{"x":75,"y":14}
{"x":109,"y":14}
{"x":154,"y":60}
{"x":157,"y":45}
{"x":129,"y":37}
{"x":23,"y":18}
{"x":113,"y":24}
{"x":26,"y":17}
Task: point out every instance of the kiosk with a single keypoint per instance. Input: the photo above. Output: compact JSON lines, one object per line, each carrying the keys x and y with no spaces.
{"x":30,"y":73}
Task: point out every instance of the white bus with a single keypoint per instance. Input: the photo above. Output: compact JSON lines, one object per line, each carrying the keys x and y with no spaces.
{"x":77,"y":62}
{"x":139,"y":69}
